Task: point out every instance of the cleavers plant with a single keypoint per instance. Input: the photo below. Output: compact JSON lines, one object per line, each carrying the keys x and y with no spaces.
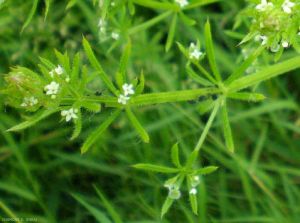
{"x":64,"y":86}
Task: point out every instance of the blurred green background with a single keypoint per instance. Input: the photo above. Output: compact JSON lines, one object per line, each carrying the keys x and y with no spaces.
{"x":43,"y":175}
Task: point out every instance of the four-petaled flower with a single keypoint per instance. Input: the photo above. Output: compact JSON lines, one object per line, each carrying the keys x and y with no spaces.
{"x":70,"y":114}
{"x":287,"y":6}
{"x":182,"y":3}
{"x":123,"y":99}
{"x":115,"y":35}
{"x":58,"y":70}
{"x":52,"y":89}
{"x":193,"y":191}
{"x":195,"y":52}
{"x":29,"y":101}
{"x":128,"y":89}
{"x":285,"y":44}
{"x":264,"y":4}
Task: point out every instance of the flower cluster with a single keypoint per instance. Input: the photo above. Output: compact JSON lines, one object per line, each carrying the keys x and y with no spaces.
{"x":52,"y":89}
{"x":70,"y":114}
{"x":127,"y":91}
{"x":103,"y":30}
{"x":29,"y":101}
{"x":182,"y":3}
{"x":275,"y":24}
{"x":194,"y":52}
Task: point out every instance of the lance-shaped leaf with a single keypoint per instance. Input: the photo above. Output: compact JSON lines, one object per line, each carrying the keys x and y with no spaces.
{"x":63,"y":60}
{"x":227,"y":128}
{"x":166,"y":206}
{"x":245,"y":65}
{"x":155,"y":4}
{"x":206,"y":170}
{"x":31,"y":14}
{"x":33,"y":120}
{"x":125,"y":60}
{"x":78,"y":126}
{"x":193,"y":75}
{"x":155,"y":168}
{"x":187,"y":20}
{"x":171,"y":33}
{"x":247,"y":96}
{"x":47,"y":4}
{"x":192,"y":196}
{"x":175,"y":155}
{"x":94,"y":62}
{"x":141,"y":85}
{"x":98,"y":132}
{"x":197,"y":3}
{"x":265,"y":74}
{"x":137,"y":125}
{"x":210,"y":52}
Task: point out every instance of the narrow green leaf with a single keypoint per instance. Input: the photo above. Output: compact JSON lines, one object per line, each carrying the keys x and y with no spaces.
{"x":155,"y":168}
{"x":47,"y":3}
{"x":210,"y":52}
{"x":137,"y":125}
{"x":33,"y":120}
{"x":245,"y":65}
{"x":197,"y":3}
{"x":109,"y":207}
{"x":78,"y":126}
{"x":97,"y":133}
{"x":188,"y":21}
{"x":94,"y":62}
{"x":171,"y":33}
{"x":155,"y":4}
{"x":91,"y":106}
{"x":226,"y":128}
{"x":192,"y":74}
{"x":175,"y":155}
{"x":75,"y":68}
{"x":265,"y":74}
{"x":64,"y":60}
{"x":71,"y":3}
{"x":194,"y":203}
{"x":191,"y":160}
{"x":131,"y":7}
{"x":206,"y":170}
{"x":99,"y":216}
{"x":166,"y":206}
{"x":31,"y":14}
{"x":141,"y":85}
{"x":125,"y":60}
{"x":247,"y":96}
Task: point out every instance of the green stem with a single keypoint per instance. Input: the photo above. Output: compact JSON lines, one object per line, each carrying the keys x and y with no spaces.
{"x":149,"y":23}
{"x":152,"y":98}
{"x":208,"y":126}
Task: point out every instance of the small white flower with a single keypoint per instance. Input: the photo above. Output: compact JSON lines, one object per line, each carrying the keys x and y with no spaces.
{"x":285,"y":44}
{"x":102,"y":25}
{"x":193,"y":191}
{"x":52,"y":89}
{"x":70,"y":114}
{"x":29,"y":101}
{"x":287,"y":6}
{"x":182,"y":3}
{"x":113,"y":4}
{"x":58,"y":70}
{"x":264,"y":4}
{"x":174,"y":193}
{"x":128,"y":89}
{"x":195,"y":52}
{"x":264,"y":39}
{"x":115,"y":35}
{"x":123,"y":99}
{"x":196,"y":178}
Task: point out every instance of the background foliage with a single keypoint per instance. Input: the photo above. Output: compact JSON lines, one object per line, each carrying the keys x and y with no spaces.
{"x":43,"y":174}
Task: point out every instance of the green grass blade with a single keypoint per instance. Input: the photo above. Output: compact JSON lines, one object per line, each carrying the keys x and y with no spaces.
{"x":33,"y":120}
{"x":97,"y":133}
{"x":155,"y":168}
{"x":99,"y":216}
{"x":94,"y":62}
{"x":265,"y":74}
{"x":31,"y":14}
{"x":137,"y":125}
{"x":210,"y":52}
{"x":226,"y":128}
{"x":171,"y":33}
{"x":110,"y":209}
{"x":48,"y":4}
